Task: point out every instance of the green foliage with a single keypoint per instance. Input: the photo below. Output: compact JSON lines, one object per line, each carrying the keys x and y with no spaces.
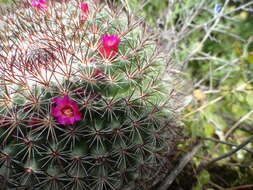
{"x":203,"y":179}
{"x":230,"y":74}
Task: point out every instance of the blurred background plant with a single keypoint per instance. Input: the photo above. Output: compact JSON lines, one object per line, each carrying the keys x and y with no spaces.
{"x":216,"y":57}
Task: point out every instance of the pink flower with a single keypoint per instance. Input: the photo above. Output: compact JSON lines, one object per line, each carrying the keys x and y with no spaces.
{"x":85,"y":11}
{"x":66,"y":110}
{"x":110,"y":46}
{"x":42,"y":4}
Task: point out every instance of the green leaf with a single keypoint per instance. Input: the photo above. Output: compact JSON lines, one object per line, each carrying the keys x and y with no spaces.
{"x":250,"y":58}
{"x":203,"y":179}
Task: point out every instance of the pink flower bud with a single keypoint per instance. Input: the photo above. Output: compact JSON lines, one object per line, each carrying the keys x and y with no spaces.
{"x":42,"y":4}
{"x":85,"y":11}
{"x":85,"y":8}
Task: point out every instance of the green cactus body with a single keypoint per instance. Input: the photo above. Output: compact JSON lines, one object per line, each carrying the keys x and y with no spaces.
{"x":123,"y":129}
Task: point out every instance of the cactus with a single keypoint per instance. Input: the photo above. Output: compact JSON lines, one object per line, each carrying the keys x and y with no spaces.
{"x":85,"y":101}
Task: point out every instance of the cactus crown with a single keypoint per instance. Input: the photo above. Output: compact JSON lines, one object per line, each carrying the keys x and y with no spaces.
{"x":85,"y":102}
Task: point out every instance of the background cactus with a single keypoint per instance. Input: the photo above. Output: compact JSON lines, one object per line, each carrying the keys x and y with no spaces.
{"x":85,"y":99}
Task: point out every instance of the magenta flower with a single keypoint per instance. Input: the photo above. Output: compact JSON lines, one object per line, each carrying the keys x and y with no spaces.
{"x":42,"y":4}
{"x":85,"y":11}
{"x":110,"y":46}
{"x":66,"y":110}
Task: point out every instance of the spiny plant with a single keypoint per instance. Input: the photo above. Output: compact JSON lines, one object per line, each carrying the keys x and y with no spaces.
{"x":85,"y":101}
